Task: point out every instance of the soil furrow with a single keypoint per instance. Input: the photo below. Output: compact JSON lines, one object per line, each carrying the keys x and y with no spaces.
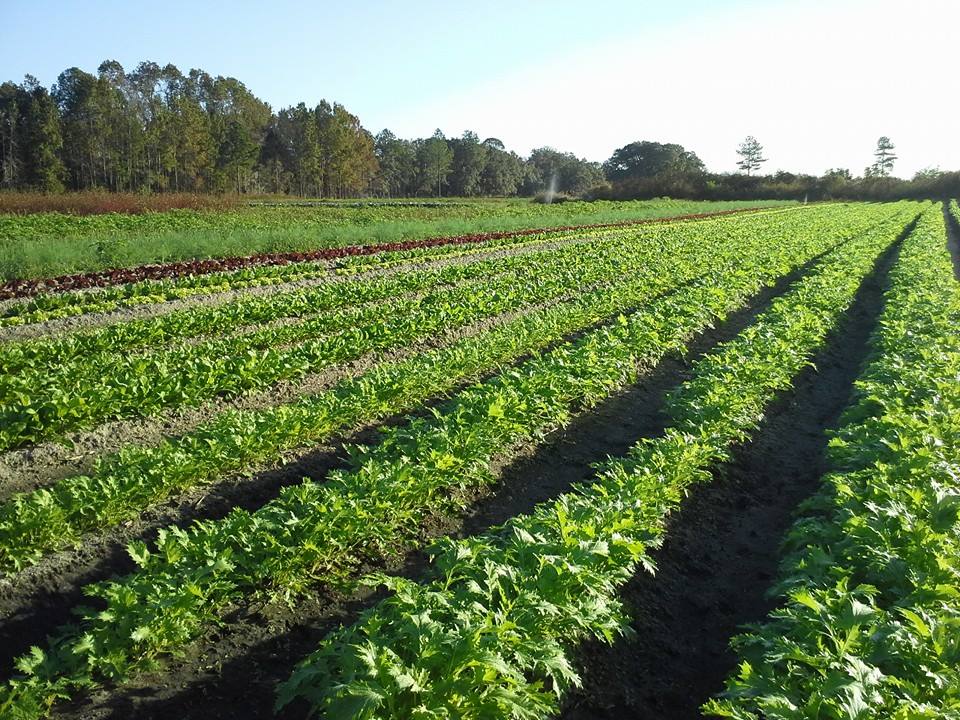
{"x":722,"y":548}
{"x":953,"y":238}
{"x":233,"y":672}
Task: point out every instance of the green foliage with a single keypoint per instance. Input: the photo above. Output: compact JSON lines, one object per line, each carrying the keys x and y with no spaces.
{"x":492,"y":636}
{"x":869,"y":615}
{"x":91,"y":386}
{"x":885,"y":158}
{"x":316,"y":531}
{"x":45,"y":244}
{"x":67,"y":304}
{"x":30,"y":138}
{"x":652,"y":262}
{"x":751,"y":155}
{"x":645,"y":159}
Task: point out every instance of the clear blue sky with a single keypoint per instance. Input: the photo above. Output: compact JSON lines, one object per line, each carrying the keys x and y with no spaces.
{"x":372,"y":56}
{"x":582,"y":76}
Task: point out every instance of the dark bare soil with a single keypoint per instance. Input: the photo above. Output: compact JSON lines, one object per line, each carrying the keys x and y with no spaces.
{"x":953,"y":239}
{"x":37,"y":600}
{"x":722,"y":549}
{"x":233,"y":673}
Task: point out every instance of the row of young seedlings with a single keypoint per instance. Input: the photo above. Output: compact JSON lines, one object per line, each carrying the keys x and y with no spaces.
{"x":868,"y":617}
{"x":58,"y":305}
{"x":245,"y":310}
{"x":198,"y":321}
{"x":495,"y":634}
{"x":122,"y":485}
{"x":364,"y":263}
{"x":68,"y":304}
{"x":146,"y":292}
{"x":40,"y":403}
{"x":202,"y":321}
{"x":323,"y":532}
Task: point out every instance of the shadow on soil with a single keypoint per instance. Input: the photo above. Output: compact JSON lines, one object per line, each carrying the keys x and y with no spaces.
{"x":234,"y":671}
{"x":722,"y":549}
{"x":953,"y":239}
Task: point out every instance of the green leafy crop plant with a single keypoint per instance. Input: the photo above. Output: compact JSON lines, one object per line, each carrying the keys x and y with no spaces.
{"x":868,"y":623}
{"x":68,"y":304}
{"x":494,"y":634}
{"x":39,"y":403}
{"x":47,"y":244}
{"x":32,"y":524}
{"x":317,"y":532}
{"x":196,"y":321}
{"x":89,"y":389}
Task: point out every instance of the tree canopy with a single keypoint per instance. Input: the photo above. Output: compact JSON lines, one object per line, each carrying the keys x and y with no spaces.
{"x":645,"y":159}
{"x":158,"y":129}
{"x":751,"y":155}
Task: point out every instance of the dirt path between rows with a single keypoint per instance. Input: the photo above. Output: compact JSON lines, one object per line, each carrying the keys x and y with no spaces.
{"x":722,"y":549}
{"x":953,"y":239}
{"x":233,"y":672}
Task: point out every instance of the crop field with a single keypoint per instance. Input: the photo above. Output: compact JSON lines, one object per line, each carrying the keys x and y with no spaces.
{"x":45,"y":244}
{"x":650,"y":460}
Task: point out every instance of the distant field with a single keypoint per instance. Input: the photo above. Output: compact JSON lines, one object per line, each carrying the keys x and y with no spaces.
{"x":204,"y":477}
{"x":47,"y":244}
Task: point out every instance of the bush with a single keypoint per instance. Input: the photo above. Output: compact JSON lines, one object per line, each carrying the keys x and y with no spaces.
{"x":551,"y":198}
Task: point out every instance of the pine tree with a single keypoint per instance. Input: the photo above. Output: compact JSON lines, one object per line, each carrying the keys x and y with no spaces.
{"x":751,"y":154}
{"x":885,"y":157}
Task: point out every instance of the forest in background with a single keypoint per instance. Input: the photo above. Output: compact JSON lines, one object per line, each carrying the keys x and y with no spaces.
{"x":158,"y":130}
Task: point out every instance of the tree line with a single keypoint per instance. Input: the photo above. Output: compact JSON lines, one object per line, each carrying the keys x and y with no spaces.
{"x":645,"y":169}
{"x":157,"y":129}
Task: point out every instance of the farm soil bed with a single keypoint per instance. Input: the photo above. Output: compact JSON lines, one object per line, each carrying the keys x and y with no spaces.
{"x":233,"y":671}
{"x":722,"y":548}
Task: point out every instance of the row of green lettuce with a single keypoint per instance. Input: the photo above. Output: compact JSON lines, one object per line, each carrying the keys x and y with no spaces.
{"x":324,"y":532}
{"x":204,"y":321}
{"x":868,"y":618}
{"x":122,"y":485}
{"x":495,"y":634}
{"x":51,"y":306}
{"x":40,"y":402}
{"x":85,"y":388}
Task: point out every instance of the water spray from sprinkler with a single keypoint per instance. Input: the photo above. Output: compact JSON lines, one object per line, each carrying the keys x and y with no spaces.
{"x":551,"y":189}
